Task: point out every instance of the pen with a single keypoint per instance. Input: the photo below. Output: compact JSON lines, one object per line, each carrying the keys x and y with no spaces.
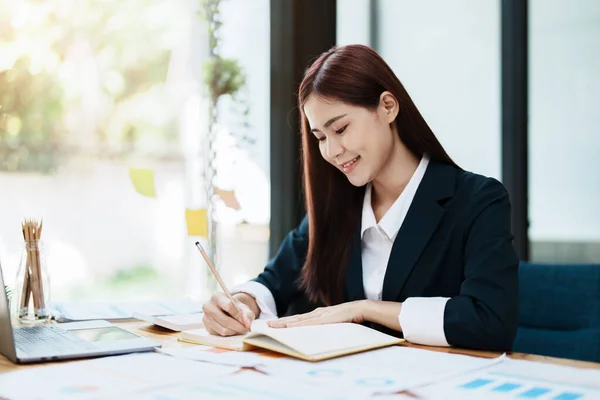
{"x":217,"y":276}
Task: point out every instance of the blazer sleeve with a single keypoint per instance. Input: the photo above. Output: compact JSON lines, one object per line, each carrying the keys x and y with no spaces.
{"x":282,"y":272}
{"x":485,"y":313}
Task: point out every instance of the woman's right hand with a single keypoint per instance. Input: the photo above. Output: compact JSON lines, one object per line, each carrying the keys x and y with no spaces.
{"x":222,"y":318}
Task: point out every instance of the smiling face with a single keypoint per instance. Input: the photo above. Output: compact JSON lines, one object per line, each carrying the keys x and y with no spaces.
{"x":356,"y":140}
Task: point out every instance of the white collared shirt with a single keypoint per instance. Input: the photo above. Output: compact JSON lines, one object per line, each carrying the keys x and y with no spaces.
{"x":421,"y":318}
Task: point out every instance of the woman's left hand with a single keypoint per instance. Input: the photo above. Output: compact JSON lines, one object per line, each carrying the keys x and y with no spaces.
{"x":346,"y":312}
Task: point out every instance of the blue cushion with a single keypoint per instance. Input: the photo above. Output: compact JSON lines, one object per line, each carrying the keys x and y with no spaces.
{"x":559,"y":310}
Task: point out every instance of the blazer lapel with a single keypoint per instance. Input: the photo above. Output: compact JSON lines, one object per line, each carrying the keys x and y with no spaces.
{"x":354,"y":277}
{"x":420,"y":223}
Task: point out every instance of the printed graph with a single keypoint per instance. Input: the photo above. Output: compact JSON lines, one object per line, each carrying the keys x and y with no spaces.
{"x":519,"y":389}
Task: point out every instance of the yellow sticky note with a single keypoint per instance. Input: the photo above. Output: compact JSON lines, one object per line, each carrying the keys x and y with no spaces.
{"x":143,"y":181}
{"x":197,"y":222}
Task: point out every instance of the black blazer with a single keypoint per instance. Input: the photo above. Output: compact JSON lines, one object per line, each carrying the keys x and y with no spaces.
{"x":455,"y":242}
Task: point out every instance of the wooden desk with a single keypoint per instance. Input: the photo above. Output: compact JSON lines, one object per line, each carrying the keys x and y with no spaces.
{"x":169,"y":339}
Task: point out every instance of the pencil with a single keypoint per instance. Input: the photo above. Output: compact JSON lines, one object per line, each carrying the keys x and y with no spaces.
{"x":217,"y":276}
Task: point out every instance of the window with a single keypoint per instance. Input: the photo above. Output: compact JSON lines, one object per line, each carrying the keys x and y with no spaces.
{"x":564,"y":142}
{"x":92,"y":89}
{"x":447,"y":56}
{"x":244,"y":241}
{"x":353,"y":23}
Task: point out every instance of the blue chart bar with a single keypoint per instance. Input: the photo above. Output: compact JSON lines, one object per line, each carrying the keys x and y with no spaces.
{"x":477,"y":383}
{"x":568,"y":396}
{"x":528,"y":393}
{"x":506,"y":387}
{"x":535,"y":392}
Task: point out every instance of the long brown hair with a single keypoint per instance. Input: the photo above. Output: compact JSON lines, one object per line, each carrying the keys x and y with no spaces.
{"x":354,"y":75}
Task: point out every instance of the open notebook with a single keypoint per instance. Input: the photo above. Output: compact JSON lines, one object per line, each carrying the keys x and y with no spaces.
{"x":311,"y":343}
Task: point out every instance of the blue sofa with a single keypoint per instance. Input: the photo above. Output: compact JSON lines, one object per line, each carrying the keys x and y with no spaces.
{"x":559,"y":310}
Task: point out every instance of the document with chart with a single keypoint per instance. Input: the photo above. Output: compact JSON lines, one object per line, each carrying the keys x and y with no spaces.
{"x":519,"y":379}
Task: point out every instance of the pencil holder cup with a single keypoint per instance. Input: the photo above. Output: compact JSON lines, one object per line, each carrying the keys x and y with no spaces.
{"x":31,"y":296}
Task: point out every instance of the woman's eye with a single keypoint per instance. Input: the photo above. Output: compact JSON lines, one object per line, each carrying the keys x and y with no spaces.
{"x":322,"y":138}
{"x":341,"y":130}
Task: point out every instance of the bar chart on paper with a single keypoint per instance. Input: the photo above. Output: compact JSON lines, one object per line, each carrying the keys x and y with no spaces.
{"x":504,"y":383}
{"x":513,"y":387}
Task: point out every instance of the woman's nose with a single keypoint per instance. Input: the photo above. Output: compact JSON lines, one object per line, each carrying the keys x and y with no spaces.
{"x":334,"y":148}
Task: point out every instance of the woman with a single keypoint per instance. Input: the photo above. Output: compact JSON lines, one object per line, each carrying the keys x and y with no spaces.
{"x":396,"y":236}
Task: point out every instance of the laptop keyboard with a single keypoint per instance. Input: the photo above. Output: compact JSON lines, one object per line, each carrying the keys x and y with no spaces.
{"x":43,"y":341}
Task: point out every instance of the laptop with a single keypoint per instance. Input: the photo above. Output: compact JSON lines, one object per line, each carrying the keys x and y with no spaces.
{"x":49,"y":342}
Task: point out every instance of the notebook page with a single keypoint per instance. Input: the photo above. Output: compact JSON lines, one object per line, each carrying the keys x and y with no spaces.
{"x":329,"y":338}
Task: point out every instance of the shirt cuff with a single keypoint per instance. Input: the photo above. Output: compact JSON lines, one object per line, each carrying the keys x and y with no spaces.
{"x":263,"y":296}
{"x":422,"y":320}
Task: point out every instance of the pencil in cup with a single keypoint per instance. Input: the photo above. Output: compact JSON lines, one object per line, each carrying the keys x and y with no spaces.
{"x":32,"y":278}
{"x":217,"y":276}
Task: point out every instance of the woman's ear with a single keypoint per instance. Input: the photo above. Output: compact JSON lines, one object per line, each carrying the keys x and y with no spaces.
{"x":389,"y":105}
